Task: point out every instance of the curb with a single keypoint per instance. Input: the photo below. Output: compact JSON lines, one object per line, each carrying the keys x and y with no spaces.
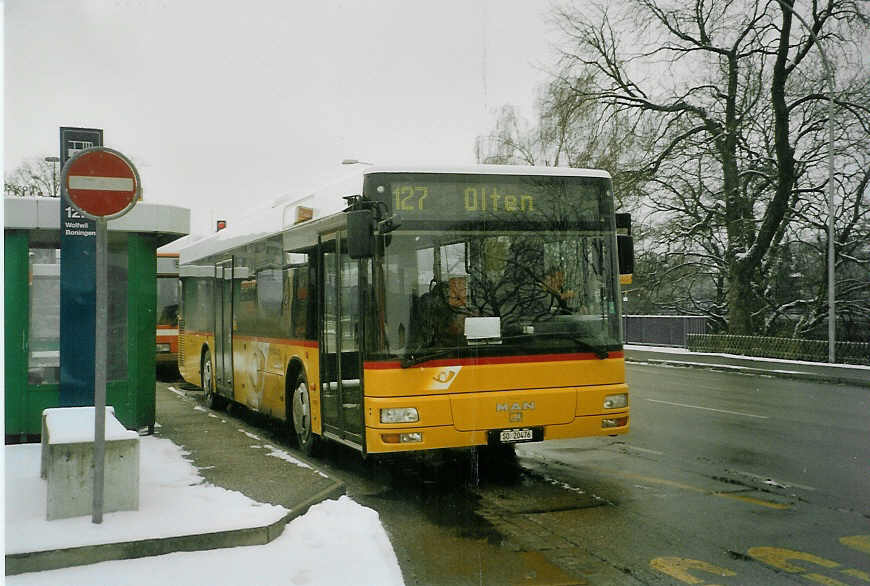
{"x":39,"y":561}
{"x":727,"y":363}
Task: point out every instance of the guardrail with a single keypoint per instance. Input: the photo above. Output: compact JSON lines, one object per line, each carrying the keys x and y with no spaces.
{"x":782,"y":348}
{"x":815,"y":371}
{"x":662,"y":330}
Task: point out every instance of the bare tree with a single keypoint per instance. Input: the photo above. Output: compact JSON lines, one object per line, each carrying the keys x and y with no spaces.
{"x":729,"y":96}
{"x":572,"y":130}
{"x":35,"y":177}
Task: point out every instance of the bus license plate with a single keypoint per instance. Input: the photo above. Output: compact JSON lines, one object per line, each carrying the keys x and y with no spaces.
{"x":507,"y":436}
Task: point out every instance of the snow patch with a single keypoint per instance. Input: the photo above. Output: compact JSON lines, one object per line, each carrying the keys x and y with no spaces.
{"x":250,"y":435}
{"x":74,"y":425}
{"x":282,"y":455}
{"x":173,"y":500}
{"x":335,"y":544}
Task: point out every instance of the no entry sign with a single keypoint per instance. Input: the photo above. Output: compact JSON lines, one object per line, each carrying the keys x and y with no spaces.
{"x":101,"y":183}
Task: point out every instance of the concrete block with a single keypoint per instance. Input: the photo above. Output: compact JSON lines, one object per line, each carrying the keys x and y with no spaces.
{"x":68,"y":463}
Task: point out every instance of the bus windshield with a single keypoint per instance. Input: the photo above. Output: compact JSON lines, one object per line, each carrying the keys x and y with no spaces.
{"x":456,"y":280}
{"x":167,"y":301}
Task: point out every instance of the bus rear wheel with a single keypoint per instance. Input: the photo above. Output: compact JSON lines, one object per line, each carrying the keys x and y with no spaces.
{"x":300,"y":410}
{"x":212,"y":399}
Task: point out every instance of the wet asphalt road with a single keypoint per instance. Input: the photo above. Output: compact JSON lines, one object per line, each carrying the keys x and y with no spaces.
{"x":724,"y":478}
{"x":727,"y":478}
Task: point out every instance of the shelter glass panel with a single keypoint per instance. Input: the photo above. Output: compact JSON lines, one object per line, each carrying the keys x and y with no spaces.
{"x":44,"y":331}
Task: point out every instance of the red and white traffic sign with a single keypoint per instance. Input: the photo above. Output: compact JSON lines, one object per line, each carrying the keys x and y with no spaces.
{"x":101,"y":183}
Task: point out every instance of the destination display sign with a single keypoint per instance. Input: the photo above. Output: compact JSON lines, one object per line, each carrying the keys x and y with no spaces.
{"x":501,"y":198}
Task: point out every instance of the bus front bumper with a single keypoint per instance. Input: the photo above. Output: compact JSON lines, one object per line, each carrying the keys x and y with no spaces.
{"x":407,"y":439}
{"x":468,"y":419}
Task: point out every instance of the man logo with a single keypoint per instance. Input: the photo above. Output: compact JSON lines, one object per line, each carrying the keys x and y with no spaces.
{"x":524,"y":406}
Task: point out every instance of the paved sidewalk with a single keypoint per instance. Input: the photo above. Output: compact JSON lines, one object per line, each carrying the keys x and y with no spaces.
{"x":228,"y":453}
{"x":238,"y":456}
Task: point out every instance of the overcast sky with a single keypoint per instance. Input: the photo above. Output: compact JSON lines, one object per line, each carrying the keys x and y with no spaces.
{"x":222,"y":104}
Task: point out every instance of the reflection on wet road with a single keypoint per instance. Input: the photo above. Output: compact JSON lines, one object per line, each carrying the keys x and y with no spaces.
{"x":724,"y":478}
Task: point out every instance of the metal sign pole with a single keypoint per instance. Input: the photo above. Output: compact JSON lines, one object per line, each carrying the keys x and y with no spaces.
{"x":101,"y":184}
{"x":100,"y":370}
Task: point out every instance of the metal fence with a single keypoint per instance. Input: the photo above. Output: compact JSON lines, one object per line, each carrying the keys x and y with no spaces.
{"x":784,"y":348}
{"x":662,"y":330}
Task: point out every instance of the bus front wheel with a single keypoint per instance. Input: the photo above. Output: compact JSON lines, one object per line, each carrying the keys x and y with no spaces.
{"x":301,"y":417}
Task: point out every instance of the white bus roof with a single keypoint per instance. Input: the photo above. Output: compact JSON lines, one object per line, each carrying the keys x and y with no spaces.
{"x":173,"y":247}
{"x":490,"y":170}
{"x":280,"y":214}
{"x":273,"y":217}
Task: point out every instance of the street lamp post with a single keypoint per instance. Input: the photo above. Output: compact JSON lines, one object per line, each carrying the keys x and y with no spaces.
{"x":829,"y":73}
{"x":54,"y":175}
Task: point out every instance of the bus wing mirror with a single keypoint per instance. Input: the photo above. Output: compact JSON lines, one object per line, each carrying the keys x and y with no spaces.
{"x":625,"y":246}
{"x":388,"y":225}
{"x":360,"y":234}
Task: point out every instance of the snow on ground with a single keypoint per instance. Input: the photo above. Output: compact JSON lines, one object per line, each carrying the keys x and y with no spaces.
{"x":670,"y":349}
{"x":336,"y":542}
{"x":173,"y":500}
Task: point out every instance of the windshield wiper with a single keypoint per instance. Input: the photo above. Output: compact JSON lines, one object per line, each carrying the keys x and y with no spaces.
{"x":599,"y":351}
{"x":416,"y":357}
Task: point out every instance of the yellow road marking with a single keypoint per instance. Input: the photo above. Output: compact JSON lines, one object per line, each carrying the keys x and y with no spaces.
{"x":780,"y":558}
{"x":752,"y":500}
{"x":859,"y":542}
{"x":819,"y":579}
{"x":858,"y":574}
{"x":697,"y":489}
{"x":539,"y":571}
{"x":679,"y":568}
{"x":663,"y":481}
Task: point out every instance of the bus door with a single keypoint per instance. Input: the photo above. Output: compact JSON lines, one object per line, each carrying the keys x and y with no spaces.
{"x":341,"y":389}
{"x":223,"y":335}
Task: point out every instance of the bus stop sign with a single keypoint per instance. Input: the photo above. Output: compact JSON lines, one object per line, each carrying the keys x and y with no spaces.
{"x":101,"y":183}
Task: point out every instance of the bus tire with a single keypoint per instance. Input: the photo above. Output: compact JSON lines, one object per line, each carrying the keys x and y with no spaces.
{"x":300,"y":417}
{"x":212,"y":399}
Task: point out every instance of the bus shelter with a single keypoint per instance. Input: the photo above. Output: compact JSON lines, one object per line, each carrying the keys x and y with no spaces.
{"x":32,"y":259}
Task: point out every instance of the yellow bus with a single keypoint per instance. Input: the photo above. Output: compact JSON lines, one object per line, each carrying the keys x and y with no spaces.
{"x":436,"y":308}
{"x":167,"y":310}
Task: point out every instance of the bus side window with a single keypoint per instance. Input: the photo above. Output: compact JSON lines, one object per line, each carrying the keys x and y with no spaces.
{"x":299,"y":311}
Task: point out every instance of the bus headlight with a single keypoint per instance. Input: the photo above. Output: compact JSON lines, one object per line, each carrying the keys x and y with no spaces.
{"x":402,"y":438}
{"x":163,"y":348}
{"x":616,"y":401}
{"x":400,"y":415}
{"x":618,"y":422}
